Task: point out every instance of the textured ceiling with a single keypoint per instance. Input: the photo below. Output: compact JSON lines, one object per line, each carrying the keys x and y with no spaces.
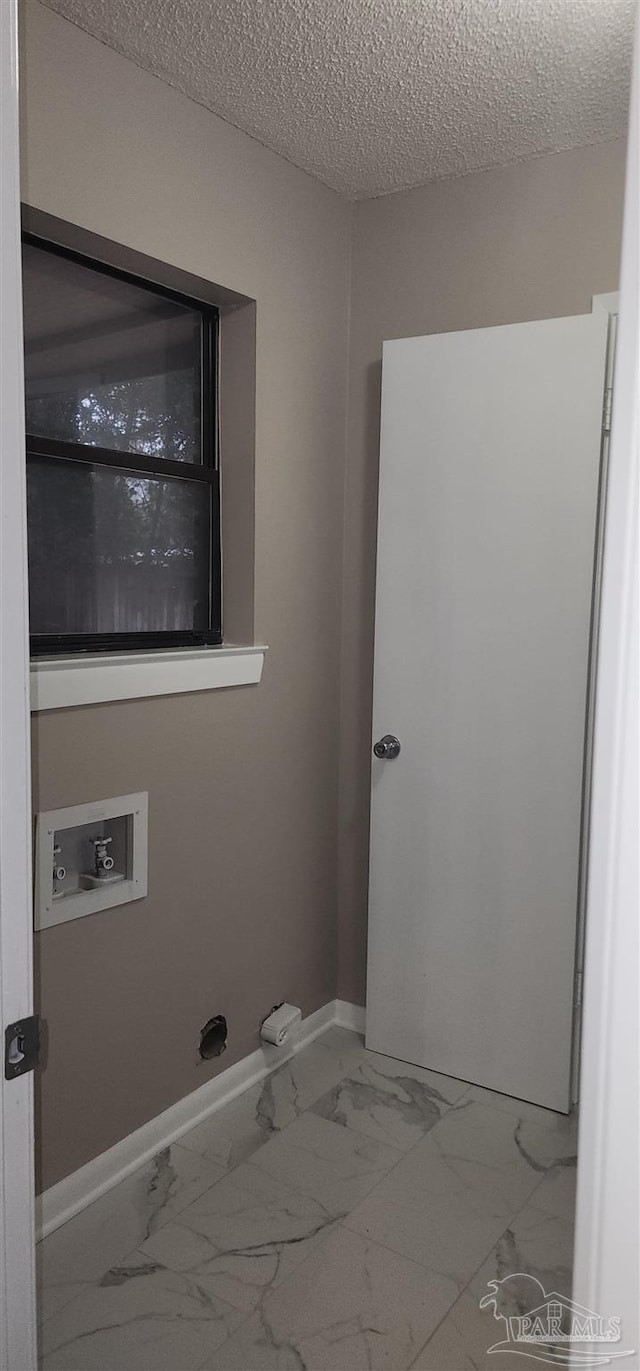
{"x":373,"y":96}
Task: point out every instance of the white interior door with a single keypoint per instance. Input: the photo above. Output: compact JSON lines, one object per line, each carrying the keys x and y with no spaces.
{"x":17,"y":1239}
{"x":490,"y":454}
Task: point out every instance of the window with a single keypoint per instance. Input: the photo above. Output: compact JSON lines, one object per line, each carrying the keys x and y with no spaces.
{"x":122,"y":472}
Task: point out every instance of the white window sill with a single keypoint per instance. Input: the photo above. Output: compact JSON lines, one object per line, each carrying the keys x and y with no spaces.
{"x":65,"y":682}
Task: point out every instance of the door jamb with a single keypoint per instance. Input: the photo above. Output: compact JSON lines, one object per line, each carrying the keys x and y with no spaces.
{"x":607,"y":1256}
{"x":610,"y":303}
{"x":17,"y":1188}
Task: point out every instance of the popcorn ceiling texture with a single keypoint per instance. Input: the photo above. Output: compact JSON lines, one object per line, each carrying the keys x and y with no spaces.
{"x":373,"y":96}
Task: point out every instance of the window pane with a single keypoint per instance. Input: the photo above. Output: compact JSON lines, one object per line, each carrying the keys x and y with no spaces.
{"x":107,"y":363}
{"x":116,"y":552}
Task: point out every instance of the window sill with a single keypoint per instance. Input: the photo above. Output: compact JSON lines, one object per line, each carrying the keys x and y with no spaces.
{"x":64,"y":683}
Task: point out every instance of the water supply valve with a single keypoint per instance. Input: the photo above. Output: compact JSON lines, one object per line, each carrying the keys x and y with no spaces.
{"x":59,"y":871}
{"x":102,"y":861}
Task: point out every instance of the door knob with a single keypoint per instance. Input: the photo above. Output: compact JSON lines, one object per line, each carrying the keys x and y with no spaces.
{"x":387,"y":748}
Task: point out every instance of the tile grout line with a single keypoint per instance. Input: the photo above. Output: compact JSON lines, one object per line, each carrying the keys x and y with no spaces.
{"x":465,"y":1289}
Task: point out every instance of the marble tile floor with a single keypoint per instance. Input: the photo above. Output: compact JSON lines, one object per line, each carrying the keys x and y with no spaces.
{"x":346,"y":1213}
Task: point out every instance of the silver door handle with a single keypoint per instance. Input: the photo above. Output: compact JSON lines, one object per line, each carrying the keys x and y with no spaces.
{"x":387,"y":748}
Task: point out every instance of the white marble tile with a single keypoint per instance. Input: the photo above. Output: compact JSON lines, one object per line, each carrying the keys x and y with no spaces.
{"x":521,"y":1151}
{"x":448,"y":1200}
{"x":344,"y":1041}
{"x":138,"y":1317}
{"x":548,"y":1144}
{"x":290,"y":1090}
{"x":243,"y":1237}
{"x":448,"y":1233}
{"x":462,"y":1340}
{"x":556,"y":1193}
{"x":53,"y":1290}
{"x":532,"y":1260}
{"x":436,"y":1184}
{"x":233,"y":1133}
{"x":333,"y":1165}
{"x":80,"y":1252}
{"x":448,"y":1087}
{"x":388,"y":1100}
{"x":351,"y":1307}
{"x":536,"y":1247}
{"x":522,"y":1109}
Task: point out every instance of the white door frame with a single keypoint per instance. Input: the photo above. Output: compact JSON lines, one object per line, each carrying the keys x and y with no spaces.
{"x":17,"y":1225}
{"x":606,"y":1273}
{"x":611,"y":305}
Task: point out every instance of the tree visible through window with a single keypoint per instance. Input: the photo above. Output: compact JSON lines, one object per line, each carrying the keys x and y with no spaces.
{"x":122,"y":482}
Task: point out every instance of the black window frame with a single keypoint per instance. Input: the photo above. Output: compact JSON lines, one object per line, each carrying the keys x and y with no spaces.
{"x":206,"y":471}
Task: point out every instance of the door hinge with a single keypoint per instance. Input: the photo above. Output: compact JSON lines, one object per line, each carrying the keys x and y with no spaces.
{"x":606,"y":410}
{"x":577,"y":995}
{"x":21,"y":1047}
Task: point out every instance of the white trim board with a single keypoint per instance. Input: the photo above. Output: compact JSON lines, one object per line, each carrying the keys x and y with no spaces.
{"x":66,"y":682}
{"x":610,"y":302}
{"x":17,"y":1185}
{"x":62,"y":1201}
{"x":607,"y":1251}
{"x":349,"y":1015}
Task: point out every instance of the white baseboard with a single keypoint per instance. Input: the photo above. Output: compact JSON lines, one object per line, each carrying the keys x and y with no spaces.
{"x":349,"y":1015}
{"x":58,"y":1204}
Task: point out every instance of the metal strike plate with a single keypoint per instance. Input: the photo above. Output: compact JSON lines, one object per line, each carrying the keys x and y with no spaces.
{"x":21,"y":1047}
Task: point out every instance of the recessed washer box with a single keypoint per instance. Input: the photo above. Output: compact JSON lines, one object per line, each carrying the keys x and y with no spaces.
{"x":90,"y":857}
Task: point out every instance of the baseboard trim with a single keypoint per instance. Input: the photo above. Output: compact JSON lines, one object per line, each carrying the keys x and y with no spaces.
{"x":349,"y":1015}
{"x":62,"y":1201}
